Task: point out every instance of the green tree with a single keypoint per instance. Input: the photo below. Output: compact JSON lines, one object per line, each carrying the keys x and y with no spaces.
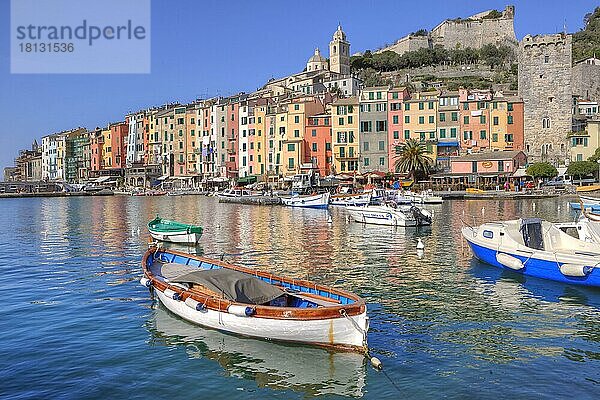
{"x":542,"y":170}
{"x":414,"y":158}
{"x":371,"y":77}
{"x":596,"y":156}
{"x":586,"y":42}
{"x":582,"y":168}
{"x":494,"y":14}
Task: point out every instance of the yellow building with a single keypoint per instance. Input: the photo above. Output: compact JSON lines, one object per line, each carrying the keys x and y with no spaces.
{"x":258,"y":140}
{"x":293,"y":143}
{"x":192,"y":142}
{"x":344,"y":129}
{"x":278,"y":126}
{"x":420,"y":120}
{"x":584,"y":144}
{"x":499,"y":125}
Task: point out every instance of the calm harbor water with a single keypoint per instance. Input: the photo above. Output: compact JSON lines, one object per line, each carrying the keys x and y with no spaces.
{"x":76,"y":324}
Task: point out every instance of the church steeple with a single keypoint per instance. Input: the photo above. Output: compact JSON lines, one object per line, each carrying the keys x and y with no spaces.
{"x":339,"y":53}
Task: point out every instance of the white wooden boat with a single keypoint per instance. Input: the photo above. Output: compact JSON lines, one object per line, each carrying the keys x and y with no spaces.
{"x":259,"y":304}
{"x":390,"y":214}
{"x":310,"y":201}
{"x":537,"y":248}
{"x":351,"y":199}
{"x":175,"y":232}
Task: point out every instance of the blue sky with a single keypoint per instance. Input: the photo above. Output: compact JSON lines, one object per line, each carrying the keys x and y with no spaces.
{"x":212,"y":47}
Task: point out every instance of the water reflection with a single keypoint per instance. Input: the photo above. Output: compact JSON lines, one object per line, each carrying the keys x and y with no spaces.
{"x":309,"y":370}
{"x":433,"y":316}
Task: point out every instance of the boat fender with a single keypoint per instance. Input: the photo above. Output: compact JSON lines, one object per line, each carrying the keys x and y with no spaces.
{"x":171,"y":294}
{"x":575,"y":270}
{"x":240,"y":311}
{"x":193,"y":304}
{"x":509,"y":261}
{"x":376,"y":363}
{"x":145,"y":281}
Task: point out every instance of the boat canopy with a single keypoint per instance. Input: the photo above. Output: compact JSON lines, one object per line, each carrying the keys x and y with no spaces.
{"x":233,"y":285}
{"x":531,"y":229}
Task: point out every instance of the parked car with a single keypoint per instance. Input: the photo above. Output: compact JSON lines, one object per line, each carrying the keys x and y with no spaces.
{"x":559,"y":182}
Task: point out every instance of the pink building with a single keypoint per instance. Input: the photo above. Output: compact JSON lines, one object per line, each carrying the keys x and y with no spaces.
{"x":396,"y":97}
{"x":498,"y":163}
{"x":482,"y":170}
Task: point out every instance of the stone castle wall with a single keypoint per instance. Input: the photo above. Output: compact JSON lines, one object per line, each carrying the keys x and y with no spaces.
{"x":545,"y":86}
{"x":474,"y":32}
{"x":586,"y":81}
{"x":408,"y":43}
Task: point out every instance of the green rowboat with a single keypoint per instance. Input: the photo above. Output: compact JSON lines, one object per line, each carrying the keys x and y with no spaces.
{"x":175,"y":232}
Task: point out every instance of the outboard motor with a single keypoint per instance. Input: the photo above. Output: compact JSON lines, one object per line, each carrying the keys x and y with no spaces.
{"x":421,"y":216}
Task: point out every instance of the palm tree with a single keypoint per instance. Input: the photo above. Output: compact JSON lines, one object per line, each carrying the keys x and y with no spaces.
{"x":413,"y":157}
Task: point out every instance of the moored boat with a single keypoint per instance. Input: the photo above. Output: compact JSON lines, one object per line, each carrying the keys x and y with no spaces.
{"x":588,"y":226}
{"x":175,"y":232}
{"x":244,"y":301}
{"x":351,"y":199}
{"x":309,"y":201}
{"x":590,"y":200}
{"x":578,"y":206}
{"x":235,"y":192}
{"x":390,"y":214}
{"x":536,"y":248}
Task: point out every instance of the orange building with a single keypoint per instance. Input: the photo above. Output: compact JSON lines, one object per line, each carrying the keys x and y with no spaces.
{"x":474,"y":119}
{"x":118,"y":143}
{"x":317,"y":142}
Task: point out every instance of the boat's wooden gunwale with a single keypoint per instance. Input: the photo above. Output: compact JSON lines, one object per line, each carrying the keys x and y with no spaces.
{"x":261,"y":311}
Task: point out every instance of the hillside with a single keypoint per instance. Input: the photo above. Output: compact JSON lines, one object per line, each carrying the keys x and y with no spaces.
{"x":586,"y":43}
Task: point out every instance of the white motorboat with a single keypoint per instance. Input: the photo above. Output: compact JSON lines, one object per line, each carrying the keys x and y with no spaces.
{"x":235,"y":192}
{"x":425,"y":197}
{"x":390,"y":214}
{"x":537,"y":248}
{"x":309,"y":201}
{"x":588,"y":226}
{"x":351,"y":199}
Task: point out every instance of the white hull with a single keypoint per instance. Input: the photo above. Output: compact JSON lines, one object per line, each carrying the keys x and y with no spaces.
{"x":176,"y":237}
{"x":316,"y":201}
{"x":336,"y":331}
{"x":432,"y":200}
{"x":351,"y":200}
{"x":590,"y":200}
{"x":588,"y":230}
{"x":381,"y":215}
{"x":284,"y":367}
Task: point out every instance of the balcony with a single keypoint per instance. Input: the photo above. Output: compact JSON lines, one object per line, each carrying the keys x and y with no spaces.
{"x":345,"y":156}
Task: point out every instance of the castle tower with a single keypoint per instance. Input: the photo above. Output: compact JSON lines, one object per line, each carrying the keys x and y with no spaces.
{"x":545,"y":86}
{"x":339,"y":53}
